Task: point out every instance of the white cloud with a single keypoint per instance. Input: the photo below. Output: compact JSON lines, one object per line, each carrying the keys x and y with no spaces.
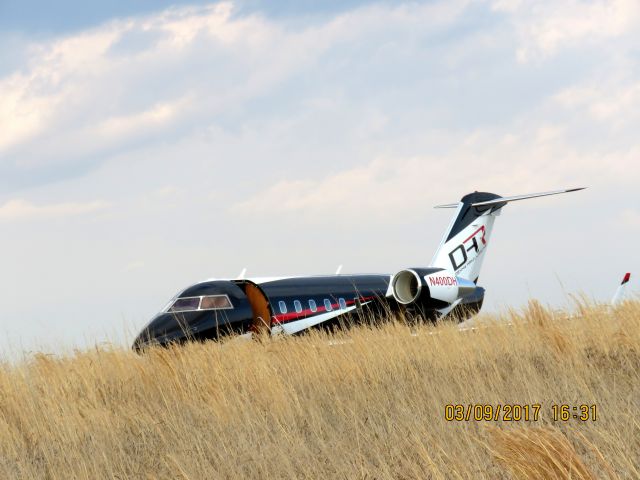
{"x":78,"y":86}
{"x":614,"y":102}
{"x":19,"y":209}
{"x":30,"y":99}
{"x":396,"y":189}
{"x":91,"y":93}
{"x":350,"y":191}
{"x":124,"y":126}
{"x":547,"y":27}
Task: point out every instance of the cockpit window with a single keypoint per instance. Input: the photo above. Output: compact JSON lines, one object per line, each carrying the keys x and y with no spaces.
{"x":208,"y":302}
{"x":183,"y":304}
{"x":215,"y":302}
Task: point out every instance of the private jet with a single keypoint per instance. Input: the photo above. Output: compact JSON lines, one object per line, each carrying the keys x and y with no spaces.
{"x":447,"y":287}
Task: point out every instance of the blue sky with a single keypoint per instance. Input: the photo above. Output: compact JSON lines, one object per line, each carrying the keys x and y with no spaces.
{"x":146,"y":145}
{"x":38,"y":17}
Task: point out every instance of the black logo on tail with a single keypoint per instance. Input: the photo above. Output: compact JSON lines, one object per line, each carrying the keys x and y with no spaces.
{"x":458,"y":255}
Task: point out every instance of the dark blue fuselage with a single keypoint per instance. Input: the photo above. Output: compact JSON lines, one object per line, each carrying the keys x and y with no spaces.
{"x":284,"y":305}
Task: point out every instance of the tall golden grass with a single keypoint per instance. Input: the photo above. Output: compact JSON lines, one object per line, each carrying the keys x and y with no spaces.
{"x":367,"y":403}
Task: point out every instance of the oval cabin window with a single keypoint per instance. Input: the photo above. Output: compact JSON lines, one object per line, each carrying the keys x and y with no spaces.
{"x":327,"y":305}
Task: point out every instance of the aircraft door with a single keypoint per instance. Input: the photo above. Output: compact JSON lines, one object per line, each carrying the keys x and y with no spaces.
{"x":260,"y":308}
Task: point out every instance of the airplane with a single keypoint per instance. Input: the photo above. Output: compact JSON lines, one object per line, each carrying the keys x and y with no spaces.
{"x":618,"y":297}
{"x":448,"y":287}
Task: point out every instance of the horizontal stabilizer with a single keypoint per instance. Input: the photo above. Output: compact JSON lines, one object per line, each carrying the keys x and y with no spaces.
{"x":524,"y":197}
{"x":513,"y":198}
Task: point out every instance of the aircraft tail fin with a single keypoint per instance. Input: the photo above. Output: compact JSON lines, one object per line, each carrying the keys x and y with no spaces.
{"x":618,"y":297}
{"x":463,"y":246}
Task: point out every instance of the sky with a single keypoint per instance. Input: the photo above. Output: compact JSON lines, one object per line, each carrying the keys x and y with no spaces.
{"x":147,"y":145}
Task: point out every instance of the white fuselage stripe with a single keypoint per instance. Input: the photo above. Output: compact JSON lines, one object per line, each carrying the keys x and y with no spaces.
{"x":299,"y":325}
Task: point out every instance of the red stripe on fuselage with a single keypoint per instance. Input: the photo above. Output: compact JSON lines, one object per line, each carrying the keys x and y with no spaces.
{"x":290,"y":317}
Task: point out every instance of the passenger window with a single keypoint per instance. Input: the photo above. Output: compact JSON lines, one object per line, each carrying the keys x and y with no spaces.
{"x":297,"y":305}
{"x":327,"y":305}
{"x":313,"y":306}
{"x":343,"y":304}
{"x":283,"y":306}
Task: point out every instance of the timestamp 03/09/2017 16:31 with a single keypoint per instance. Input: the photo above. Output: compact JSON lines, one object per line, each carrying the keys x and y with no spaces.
{"x":560,"y":412}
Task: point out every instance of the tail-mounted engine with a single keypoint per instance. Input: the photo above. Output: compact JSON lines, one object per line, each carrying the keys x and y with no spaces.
{"x":429,"y":287}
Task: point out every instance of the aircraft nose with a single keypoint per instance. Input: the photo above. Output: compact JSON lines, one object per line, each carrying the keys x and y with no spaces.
{"x":165,"y":328}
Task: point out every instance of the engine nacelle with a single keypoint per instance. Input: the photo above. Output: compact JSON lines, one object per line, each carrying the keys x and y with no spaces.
{"x":433,"y":287}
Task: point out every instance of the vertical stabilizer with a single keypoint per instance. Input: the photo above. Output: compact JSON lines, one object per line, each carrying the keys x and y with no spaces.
{"x":463,"y":247}
{"x":618,"y":297}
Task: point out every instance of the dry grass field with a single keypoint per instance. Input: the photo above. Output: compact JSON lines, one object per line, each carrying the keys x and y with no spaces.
{"x":369,"y":403}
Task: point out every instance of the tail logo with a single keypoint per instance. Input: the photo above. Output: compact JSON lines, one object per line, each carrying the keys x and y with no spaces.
{"x":458,"y":255}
